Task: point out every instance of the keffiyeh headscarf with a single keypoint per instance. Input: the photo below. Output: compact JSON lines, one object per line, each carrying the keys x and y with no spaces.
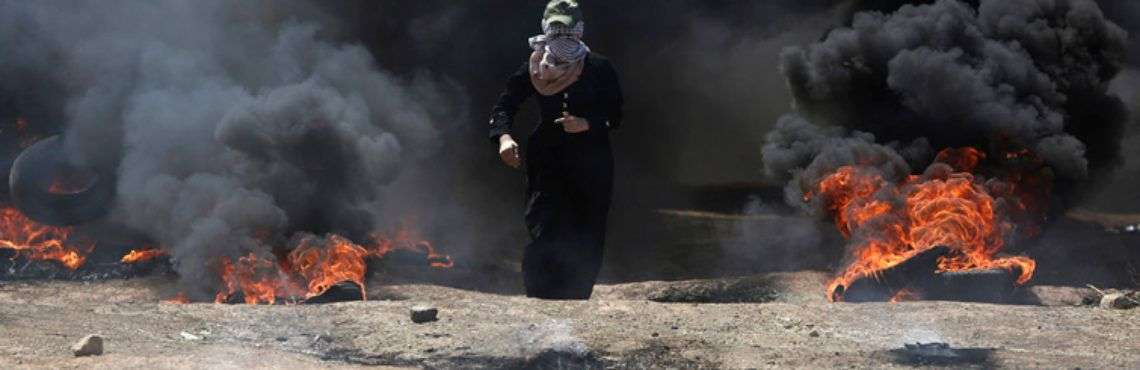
{"x":556,"y":61}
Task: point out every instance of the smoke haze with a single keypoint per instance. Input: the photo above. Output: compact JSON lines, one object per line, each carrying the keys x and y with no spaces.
{"x":945,"y":75}
{"x":232,"y":126}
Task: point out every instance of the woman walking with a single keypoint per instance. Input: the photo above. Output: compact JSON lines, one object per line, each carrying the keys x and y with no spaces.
{"x":569,"y":165}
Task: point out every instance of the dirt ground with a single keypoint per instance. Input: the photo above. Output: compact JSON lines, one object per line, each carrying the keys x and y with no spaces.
{"x":739,"y":314}
{"x":622,"y":326}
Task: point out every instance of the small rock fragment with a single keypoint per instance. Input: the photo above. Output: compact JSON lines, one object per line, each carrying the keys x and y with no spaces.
{"x":1117,"y":301}
{"x":814,"y":334}
{"x":91,"y":345}
{"x":188,"y":336}
{"x":424,"y":313}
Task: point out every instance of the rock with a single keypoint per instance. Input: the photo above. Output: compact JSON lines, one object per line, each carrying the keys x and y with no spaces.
{"x":91,"y":345}
{"x":1117,"y":301}
{"x":1056,"y":296}
{"x":188,"y":336}
{"x":424,"y":313}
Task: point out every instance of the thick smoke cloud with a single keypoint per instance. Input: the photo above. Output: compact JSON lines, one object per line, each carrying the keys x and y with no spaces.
{"x":207,"y":103}
{"x":130,"y":81}
{"x":701,"y":89}
{"x":947,"y":75}
{"x":231,"y":126}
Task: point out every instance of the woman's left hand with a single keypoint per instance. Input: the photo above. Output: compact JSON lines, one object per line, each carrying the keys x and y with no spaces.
{"x":572,"y":124}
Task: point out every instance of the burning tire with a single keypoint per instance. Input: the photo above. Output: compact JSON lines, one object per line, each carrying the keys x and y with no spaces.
{"x":916,"y":278}
{"x":49,"y":190}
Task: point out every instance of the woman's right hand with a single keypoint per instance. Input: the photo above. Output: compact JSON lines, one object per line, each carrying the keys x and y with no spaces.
{"x":509,"y":151}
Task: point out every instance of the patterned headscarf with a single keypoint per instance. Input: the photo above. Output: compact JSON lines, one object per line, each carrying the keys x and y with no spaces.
{"x":559,"y":51}
{"x":561,"y":38}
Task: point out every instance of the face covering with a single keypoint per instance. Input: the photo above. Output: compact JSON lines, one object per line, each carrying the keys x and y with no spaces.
{"x":557,"y":59}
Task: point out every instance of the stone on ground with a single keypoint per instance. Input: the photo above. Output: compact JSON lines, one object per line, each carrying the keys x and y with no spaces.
{"x":424,"y":313}
{"x":91,"y":345}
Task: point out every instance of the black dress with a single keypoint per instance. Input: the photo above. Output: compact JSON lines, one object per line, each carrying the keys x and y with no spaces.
{"x":569,"y":178}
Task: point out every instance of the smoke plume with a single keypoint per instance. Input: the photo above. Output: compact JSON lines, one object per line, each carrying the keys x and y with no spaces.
{"x":231,"y":126}
{"x":1024,"y":73}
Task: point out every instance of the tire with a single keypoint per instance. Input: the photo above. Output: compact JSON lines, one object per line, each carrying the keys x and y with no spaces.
{"x":31,"y":177}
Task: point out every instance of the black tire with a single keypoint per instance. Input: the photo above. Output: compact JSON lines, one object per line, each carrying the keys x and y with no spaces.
{"x":37,"y":167}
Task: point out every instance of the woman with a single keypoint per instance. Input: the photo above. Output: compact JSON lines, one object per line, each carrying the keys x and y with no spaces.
{"x":569,"y":165}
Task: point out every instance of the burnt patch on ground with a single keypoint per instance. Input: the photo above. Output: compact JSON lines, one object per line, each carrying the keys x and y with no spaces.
{"x":655,"y":354}
{"x":940,"y":354}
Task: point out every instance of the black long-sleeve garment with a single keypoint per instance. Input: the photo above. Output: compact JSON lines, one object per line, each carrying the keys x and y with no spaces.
{"x":596,"y":96}
{"x":569,"y":179}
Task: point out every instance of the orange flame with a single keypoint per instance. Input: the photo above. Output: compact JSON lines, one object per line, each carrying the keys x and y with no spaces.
{"x":26,"y":138}
{"x":40,"y":242}
{"x":403,"y":240}
{"x":313,"y":267}
{"x":905,"y":295}
{"x":894,"y":222}
{"x":179,"y":298}
{"x":339,"y":260}
{"x":961,"y":159}
{"x":142,"y":255}
{"x":257,"y":278}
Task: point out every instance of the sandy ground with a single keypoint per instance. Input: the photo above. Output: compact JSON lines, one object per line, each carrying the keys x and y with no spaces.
{"x":741,"y":317}
{"x":620,"y":327}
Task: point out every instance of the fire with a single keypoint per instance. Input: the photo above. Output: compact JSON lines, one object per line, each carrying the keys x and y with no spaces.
{"x":142,"y":255}
{"x":403,"y":240}
{"x":67,"y":185}
{"x":961,"y":159}
{"x":257,"y":278}
{"x":313,"y":266}
{"x":179,"y":298}
{"x":891,"y":222}
{"x":905,"y":295}
{"x":26,"y":137}
{"x":40,"y":242}
{"x":339,"y":260}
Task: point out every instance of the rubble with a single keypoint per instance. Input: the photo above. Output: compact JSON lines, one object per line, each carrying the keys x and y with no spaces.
{"x":424,"y":313}
{"x":1118,"y":301}
{"x":91,"y":345}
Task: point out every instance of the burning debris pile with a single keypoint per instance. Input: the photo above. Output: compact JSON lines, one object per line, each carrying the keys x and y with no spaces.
{"x":236,"y":140}
{"x":37,"y":242}
{"x":312,"y":266}
{"x":945,"y":126}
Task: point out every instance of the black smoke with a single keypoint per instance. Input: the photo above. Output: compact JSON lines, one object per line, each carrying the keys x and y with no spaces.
{"x":231,"y":126}
{"x":697,"y":75}
{"x":947,"y":74}
{"x":701,"y":78}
